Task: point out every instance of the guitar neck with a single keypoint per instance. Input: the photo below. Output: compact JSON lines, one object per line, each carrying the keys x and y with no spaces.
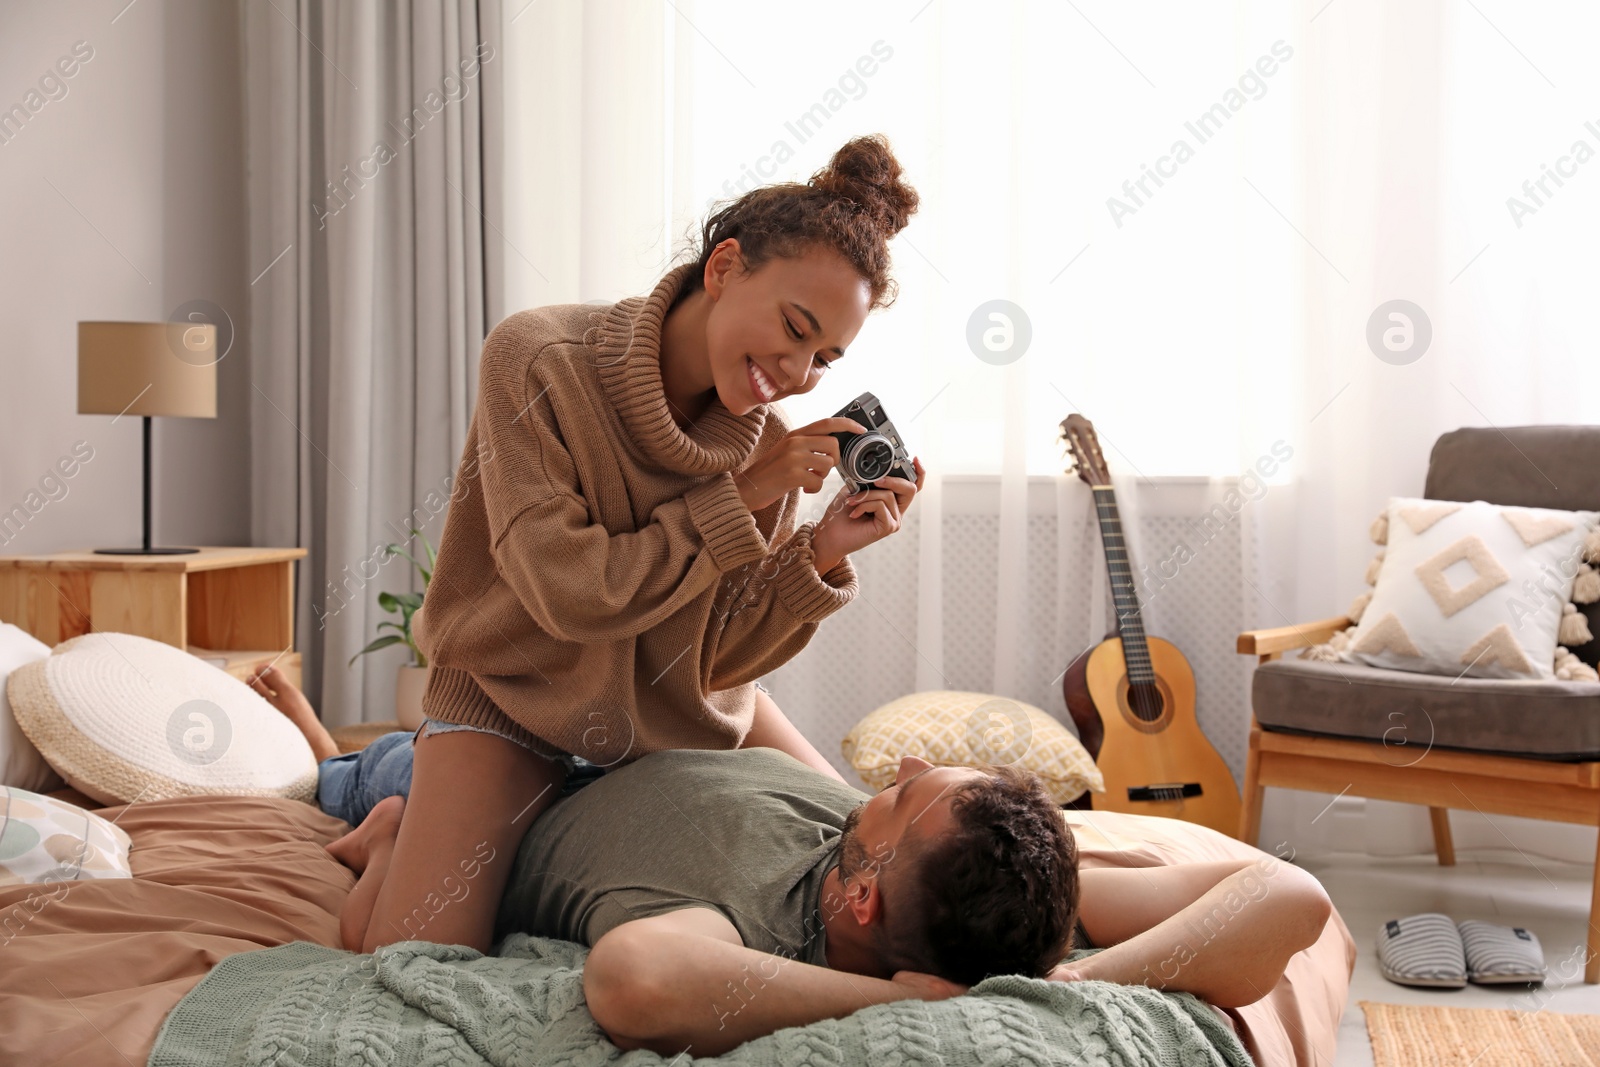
{"x":1124,"y":593}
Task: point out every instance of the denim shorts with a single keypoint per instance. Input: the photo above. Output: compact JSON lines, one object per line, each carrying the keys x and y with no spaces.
{"x":349,"y":786}
{"x":440,"y":726}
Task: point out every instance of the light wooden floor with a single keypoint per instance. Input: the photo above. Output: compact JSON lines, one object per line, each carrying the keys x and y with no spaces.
{"x":1548,"y":897}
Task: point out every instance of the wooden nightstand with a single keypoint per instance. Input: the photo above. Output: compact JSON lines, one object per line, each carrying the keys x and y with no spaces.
{"x":228,"y":604}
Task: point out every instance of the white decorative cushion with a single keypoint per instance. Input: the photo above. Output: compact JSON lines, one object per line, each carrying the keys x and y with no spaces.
{"x":1470,"y":589}
{"x":125,"y":718}
{"x":47,"y":840}
{"x":20,"y":762}
{"x":953,"y":728}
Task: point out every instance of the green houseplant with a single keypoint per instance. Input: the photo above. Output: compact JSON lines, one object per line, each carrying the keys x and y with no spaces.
{"x":412,"y":676}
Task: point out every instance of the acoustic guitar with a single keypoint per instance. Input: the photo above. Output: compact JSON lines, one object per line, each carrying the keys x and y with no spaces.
{"x":1132,"y":696}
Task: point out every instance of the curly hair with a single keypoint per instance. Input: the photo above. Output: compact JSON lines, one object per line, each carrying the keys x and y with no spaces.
{"x":852,"y":206}
{"x":998,"y":894}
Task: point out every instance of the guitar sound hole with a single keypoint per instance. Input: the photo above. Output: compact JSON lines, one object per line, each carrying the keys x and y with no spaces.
{"x":1144,"y":700}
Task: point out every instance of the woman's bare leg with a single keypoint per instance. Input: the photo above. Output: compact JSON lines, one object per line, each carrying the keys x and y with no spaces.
{"x":473,"y":796}
{"x":366,"y":850}
{"x":771,"y":728}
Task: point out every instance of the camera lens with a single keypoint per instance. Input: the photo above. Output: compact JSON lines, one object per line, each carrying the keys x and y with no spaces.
{"x":872,"y":459}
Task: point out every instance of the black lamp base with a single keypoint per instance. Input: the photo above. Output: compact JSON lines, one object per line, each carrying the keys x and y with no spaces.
{"x":144,"y":551}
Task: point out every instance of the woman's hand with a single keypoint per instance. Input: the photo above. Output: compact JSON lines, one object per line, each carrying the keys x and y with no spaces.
{"x":802,"y":459}
{"x":856,"y":520}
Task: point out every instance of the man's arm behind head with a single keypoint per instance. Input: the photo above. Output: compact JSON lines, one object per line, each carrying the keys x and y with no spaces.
{"x":1223,"y":931}
{"x":684,"y":981}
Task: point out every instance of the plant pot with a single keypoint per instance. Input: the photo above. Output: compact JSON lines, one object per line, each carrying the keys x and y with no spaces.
{"x":408,"y":696}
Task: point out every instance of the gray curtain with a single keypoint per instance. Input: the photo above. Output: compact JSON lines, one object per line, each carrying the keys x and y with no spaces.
{"x":373,"y":162}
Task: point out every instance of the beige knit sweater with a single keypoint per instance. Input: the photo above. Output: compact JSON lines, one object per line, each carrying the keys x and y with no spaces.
{"x":601,"y":587}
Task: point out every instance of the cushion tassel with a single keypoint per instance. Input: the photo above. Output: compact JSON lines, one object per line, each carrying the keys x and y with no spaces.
{"x":1380,"y":529}
{"x":1574,"y":627}
{"x":1586,"y":586}
{"x":1330,"y":651}
{"x":1570,"y":668}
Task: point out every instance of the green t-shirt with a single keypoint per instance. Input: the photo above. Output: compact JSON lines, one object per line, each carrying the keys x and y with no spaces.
{"x":750,"y":833}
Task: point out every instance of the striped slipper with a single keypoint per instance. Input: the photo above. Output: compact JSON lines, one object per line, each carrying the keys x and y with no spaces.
{"x":1501,"y":954}
{"x":1423,"y":950}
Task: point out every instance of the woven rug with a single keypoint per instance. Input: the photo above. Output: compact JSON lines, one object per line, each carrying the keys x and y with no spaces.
{"x":1405,"y":1035}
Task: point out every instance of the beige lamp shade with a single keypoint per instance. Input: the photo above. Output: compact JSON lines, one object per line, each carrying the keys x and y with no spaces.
{"x":147,"y":368}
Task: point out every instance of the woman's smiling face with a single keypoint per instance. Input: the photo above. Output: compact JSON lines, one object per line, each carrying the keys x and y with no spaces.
{"x":772,"y":332}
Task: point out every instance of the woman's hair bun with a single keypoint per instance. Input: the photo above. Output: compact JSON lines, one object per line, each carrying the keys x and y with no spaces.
{"x":853,"y":206}
{"x":865,"y":171}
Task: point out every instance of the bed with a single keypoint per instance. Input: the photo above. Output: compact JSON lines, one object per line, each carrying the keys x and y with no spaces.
{"x":89,"y":974}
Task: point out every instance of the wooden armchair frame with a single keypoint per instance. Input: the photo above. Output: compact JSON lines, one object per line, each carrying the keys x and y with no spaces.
{"x":1440,"y":780}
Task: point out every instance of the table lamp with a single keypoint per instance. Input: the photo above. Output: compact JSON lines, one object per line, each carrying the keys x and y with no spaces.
{"x":146,"y":369}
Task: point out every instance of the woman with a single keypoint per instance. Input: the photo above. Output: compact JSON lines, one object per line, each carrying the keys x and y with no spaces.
{"x":622,"y":560}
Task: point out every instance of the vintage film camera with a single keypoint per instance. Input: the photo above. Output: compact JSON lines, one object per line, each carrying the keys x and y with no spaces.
{"x":878,"y":453}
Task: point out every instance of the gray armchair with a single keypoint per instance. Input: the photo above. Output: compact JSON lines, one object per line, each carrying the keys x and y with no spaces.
{"x":1509,"y":747}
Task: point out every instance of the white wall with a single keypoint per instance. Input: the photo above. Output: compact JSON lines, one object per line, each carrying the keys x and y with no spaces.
{"x":123,"y":200}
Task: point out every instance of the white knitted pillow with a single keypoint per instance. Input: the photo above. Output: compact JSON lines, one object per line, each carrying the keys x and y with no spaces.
{"x":20,"y":763}
{"x":125,"y":718}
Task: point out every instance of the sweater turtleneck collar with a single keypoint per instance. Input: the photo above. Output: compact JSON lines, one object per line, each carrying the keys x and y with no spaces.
{"x":628,"y":341}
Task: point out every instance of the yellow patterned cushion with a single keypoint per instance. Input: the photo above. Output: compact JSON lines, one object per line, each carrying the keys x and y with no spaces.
{"x":950,"y":728}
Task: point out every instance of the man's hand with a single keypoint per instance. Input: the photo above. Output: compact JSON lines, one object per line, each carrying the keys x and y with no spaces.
{"x":1066,"y":972}
{"x":928,"y":986}
{"x":802,"y":459}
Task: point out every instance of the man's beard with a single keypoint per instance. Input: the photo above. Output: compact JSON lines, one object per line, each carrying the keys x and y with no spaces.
{"x":852,"y":854}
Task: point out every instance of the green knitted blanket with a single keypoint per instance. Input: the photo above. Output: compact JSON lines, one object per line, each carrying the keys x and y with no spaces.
{"x":304,"y":1005}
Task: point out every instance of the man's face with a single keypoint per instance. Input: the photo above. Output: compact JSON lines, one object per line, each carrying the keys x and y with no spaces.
{"x":919,"y":797}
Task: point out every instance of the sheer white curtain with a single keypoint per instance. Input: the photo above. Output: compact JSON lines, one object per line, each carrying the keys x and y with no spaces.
{"x":1196,"y":208}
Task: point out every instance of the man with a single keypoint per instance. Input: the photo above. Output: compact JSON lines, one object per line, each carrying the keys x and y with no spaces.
{"x":728,"y":894}
{"x":994,"y":896}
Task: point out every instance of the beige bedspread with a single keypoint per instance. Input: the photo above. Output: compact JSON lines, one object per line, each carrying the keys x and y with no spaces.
{"x":87,"y":974}
{"x":86,"y":979}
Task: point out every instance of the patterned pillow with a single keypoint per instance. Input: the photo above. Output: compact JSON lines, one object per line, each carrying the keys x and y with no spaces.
{"x":1471,"y":589}
{"x":951,"y":728}
{"x":125,"y":718}
{"x":48,"y":840}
